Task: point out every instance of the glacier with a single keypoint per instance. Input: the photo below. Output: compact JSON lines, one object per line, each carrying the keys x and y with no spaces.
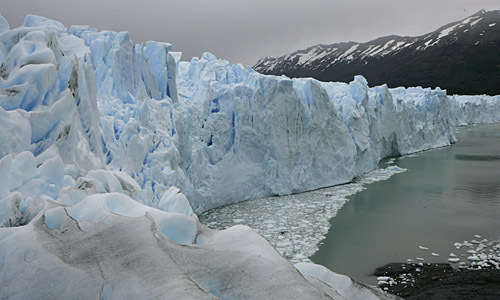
{"x":295,"y":225}
{"x":103,"y":141}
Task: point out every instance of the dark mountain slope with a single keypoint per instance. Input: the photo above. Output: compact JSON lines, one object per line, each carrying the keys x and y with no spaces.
{"x":462,"y":57}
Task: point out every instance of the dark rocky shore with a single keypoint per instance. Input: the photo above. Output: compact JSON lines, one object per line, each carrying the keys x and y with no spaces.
{"x":438,"y":281}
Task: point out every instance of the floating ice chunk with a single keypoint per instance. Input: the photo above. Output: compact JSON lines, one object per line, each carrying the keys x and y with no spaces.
{"x":382,"y":283}
{"x":420,"y":258}
{"x":473,"y":258}
{"x":453,"y":255}
{"x":423,"y":248}
{"x":396,"y":168}
{"x":383,"y":278}
{"x":453,"y":259}
{"x":434,"y":254}
{"x":466,"y":243}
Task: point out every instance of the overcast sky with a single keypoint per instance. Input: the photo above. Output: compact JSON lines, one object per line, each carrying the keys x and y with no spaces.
{"x":243,"y":31}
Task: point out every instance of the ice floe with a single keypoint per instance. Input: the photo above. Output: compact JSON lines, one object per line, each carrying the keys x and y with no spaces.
{"x":294,"y":224}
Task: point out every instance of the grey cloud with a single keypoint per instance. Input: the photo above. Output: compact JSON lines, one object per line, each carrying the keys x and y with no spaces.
{"x":244,"y":31}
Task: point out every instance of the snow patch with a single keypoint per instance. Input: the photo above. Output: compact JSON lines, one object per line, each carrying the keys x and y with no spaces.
{"x":448,"y":30}
{"x":472,"y":24}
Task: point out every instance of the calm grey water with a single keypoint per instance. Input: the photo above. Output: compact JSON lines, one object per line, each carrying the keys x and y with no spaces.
{"x":447,"y":195}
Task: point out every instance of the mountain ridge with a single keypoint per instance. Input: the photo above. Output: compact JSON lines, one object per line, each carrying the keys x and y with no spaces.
{"x":461,"y":57}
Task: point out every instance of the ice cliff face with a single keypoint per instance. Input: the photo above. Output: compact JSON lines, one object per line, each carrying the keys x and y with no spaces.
{"x":476,"y":109}
{"x":272,"y":135}
{"x":221,"y":133}
{"x":98,"y":134}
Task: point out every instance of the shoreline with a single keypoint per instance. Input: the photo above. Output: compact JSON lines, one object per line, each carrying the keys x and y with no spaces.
{"x":478,"y":278}
{"x":438,"y":281}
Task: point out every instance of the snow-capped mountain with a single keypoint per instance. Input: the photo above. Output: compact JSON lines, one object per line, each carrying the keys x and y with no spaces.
{"x":460,"y":57}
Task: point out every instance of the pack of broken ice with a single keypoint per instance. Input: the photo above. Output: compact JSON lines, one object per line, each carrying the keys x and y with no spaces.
{"x":98,"y":136}
{"x":480,"y":254}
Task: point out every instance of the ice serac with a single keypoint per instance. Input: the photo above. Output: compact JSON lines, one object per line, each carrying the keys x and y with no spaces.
{"x":109,"y":149}
{"x":258,"y":133}
{"x":49,"y":116}
{"x":223,"y":133}
{"x":272,"y":135}
{"x":48,"y":94}
{"x":476,"y":109}
{"x":83,"y":146}
{"x":138,"y":108}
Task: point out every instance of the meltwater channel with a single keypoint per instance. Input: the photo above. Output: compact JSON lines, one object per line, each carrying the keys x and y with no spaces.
{"x":446,"y":195}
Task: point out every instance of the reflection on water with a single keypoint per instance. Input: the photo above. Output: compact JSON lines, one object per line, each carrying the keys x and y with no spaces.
{"x":447,"y":195}
{"x":477,"y":157}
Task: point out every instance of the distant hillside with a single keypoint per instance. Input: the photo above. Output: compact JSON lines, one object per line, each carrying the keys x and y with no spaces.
{"x":462,"y":57}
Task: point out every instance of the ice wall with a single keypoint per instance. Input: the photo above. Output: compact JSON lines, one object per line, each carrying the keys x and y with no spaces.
{"x":269,"y":135}
{"x":476,"y":109}
{"x":49,"y":122}
{"x":101,"y":139}
{"x":221,"y":133}
{"x":272,"y":135}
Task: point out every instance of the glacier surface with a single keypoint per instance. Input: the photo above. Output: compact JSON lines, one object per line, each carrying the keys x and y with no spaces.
{"x":103,"y":143}
{"x":221,"y":133}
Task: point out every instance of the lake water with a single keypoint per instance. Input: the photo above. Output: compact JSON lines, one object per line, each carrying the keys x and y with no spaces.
{"x":447,"y":195}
